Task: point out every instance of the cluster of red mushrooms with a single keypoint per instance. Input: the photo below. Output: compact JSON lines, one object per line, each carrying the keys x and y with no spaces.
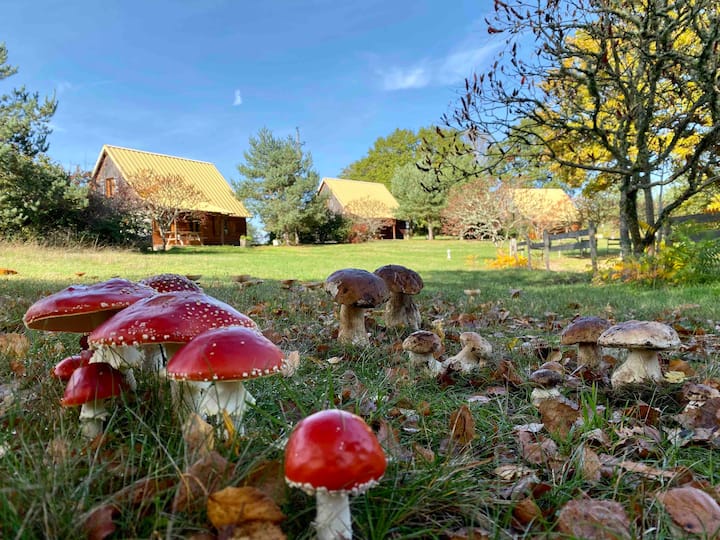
{"x":166,"y":324}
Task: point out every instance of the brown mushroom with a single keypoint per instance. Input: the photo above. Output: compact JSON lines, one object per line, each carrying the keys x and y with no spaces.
{"x":585,"y":332}
{"x":546,"y":380}
{"x":643,"y":339}
{"x":403,"y":283}
{"x":422,"y":346}
{"x":355,"y":290}
{"x":474,"y":353}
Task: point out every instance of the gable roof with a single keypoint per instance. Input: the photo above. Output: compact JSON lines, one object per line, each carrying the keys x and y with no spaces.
{"x":202,"y":175}
{"x":545,"y":205}
{"x":364,"y":199}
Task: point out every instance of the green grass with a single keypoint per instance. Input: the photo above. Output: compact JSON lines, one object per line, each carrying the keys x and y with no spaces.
{"x":51,"y":478}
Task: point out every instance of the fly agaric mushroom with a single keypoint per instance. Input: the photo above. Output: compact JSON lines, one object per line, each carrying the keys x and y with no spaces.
{"x":403,"y":284}
{"x":89,"y":386}
{"x":585,"y":332}
{"x":160,"y":325}
{"x":643,"y":339}
{"x":422,"y":346}
{"x":171,"y":283}
{"x":215,"y":364}
{"x":82,"y":308}
{"x":473,"y":355}
{"x":333,"y":454}
{"x":545,"y":381}
{"x":356,"y":291}
{"x":64,"y":369}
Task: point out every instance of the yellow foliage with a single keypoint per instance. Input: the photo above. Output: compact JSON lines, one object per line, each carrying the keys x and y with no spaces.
{"x":505,"y":260}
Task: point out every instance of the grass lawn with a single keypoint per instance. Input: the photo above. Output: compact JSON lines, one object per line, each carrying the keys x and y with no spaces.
{"x":466,"y":453}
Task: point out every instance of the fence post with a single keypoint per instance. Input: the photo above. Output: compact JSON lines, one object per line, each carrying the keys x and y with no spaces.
{"x":528,"y":244}
{"x":592,"y":240}
{"x":546,"y":249}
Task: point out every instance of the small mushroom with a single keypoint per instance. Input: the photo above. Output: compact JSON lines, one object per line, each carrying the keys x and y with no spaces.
{"x":403,"y":283}
{"x":546,"y":380}
{"x":64,"y":369}
{"x":643,"y":339}
{"x":214,"y":365}
{"x":474,"y":354}
{"x":585,"y":332}
{"x":332,"y":454}
{"x":356,"y":291}
{"x":89,"y":386}
{"x":422,"y":346}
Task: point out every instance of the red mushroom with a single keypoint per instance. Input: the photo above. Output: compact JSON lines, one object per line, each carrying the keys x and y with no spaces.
{"x":332,"y":454}
{"x":171,"y":283}
{"x":214,"y":366}
{"x":81,"y":308}
{"x":64,"y":369}
{"x":89,"y":386}
{"x":160,"y":325}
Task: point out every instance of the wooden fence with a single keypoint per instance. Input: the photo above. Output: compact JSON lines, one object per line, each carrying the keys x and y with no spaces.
{"x":582,"y":240}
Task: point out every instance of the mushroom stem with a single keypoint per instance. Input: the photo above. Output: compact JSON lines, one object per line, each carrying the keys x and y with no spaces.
{"x":212,"y":398}
{"x":640,"y":365}
{"x":466,"y":360}
{"x":332,"y":520}
{"x":92,"y":416}
{"x":352,"y":325}
{"x":401,"y":310}
{"x":588,"y":355}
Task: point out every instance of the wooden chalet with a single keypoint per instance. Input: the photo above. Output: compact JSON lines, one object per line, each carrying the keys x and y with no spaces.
{"x":362,"y":201}
{"x":217,"y":217}
{"x":549,"y":209}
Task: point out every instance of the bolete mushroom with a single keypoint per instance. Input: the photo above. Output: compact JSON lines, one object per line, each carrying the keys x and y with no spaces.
{"x":422,"y":346}
{"x":356,"y":291}
{"x":585,"y":332}
{"x":403,"y":284}
{"x":215,"y":364}
{"x":333,"y":454}
{"x":546,"y":381}
{"x":474,"y":354}
{"x":89,"y":386}
{"x":643,"y":339}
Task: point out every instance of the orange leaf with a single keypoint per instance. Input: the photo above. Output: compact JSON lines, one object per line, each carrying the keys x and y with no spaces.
{"x":236,"y":505}
{"x":693,"y":510}
{"x":462,"y":425}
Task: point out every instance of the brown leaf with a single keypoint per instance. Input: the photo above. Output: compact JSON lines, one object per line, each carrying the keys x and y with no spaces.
{"x":425,"y":454}
{"x":593,"y":519}
{"x":199,"y":437}
{"x":536,"y":449}
{"x":252,"y":530}
{"x":99,"y":522}
{"x":143,"y":491}
{"x":202,"y":478}
{"x":236,"y":505}
{"x":507,"y":371}
{"x":559,"y":415}
{"x":590,"y":466}
{"x":14,"y":345}
{"x":682,"y":366}
{"x":269,"y":477}
{"x":693,"y":510}
{"x":462,"y":426}
{"x":467,"y":533}
{"x":525,"y":512}
{"x":706,"y":416}
{"x":644,"y":412}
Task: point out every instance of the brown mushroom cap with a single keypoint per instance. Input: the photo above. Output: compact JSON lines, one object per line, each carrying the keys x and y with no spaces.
{"x":357,"y":288}
{"x":545,"y":378}
{"x":584,"y":330}
{"x":422,"y":342}
{"x":640,"y":335}
{"x":478,"y":343}
{"x":400,"y":279}
{"x":81,"y":308}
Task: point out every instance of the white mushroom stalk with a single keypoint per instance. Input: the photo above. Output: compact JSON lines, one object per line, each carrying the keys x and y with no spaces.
{"x":92,"y":417}
{"x":473,"y":355}
{"x":213,"y":398}
{"x":639,"y":366}
{"x":352,"y":325}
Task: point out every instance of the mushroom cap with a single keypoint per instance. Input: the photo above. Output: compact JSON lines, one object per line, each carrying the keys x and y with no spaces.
{"x":92,"y":383}
{"x":545,"y":378}
{"x":400,"y":279}
{"x":422,"y":342}
{"x":356,"y":287}
{"x":478,"y":343}
{"x":226,"y":354}
{"x":584,"y":330}
{"x":173,"y":317}
{"x":81,"y":308}
{"x":640,"y":335}
{"x":170,"y":283}
{"x":334,"y":451}
{"x":64,"y":369}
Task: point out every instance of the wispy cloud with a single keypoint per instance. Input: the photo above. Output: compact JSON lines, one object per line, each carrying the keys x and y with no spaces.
{"x":238,"y":98}
{"x":63,"y":86}
{"x":449,"y":69}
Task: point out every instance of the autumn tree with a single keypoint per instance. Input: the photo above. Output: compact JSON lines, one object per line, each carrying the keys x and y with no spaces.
{"x":279,"y":186}
{"x":165,"y":198}
{"x":609,"y":94}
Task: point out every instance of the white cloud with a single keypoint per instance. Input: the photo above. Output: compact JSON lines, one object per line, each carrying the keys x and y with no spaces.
{"x":63,"y":86}
{"x":450,"y":69}
{"x":238,"y":99}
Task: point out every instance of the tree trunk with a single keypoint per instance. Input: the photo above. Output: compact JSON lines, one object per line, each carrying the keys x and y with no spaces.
{"x":431,"y":233}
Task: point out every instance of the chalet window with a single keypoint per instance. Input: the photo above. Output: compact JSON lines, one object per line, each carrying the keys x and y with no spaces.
{"x":195,"y":225}
{"x":109,"y":187}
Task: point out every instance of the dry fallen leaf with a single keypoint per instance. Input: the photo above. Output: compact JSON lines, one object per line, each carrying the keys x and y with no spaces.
{"x":592,"y":519}
{"x":693,"y":510}
{"x":199,"y":437}
{"x":559,"y":415}
{"x":236,"y":505}
{"x":203,"y":477}
{"x":99,"y":522}
{"x":290,"y":364}
{"x":252,"y":530}
{"x":14,"y":345}
{"x":269,"y":477}
{"x":462,"y":426}
{"x":590,"y":465}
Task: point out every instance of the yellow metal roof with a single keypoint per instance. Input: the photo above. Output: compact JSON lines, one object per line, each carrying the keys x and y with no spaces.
{"x":364,"y":199}
{"x":550,"y":205}
{"x":202,"y":175}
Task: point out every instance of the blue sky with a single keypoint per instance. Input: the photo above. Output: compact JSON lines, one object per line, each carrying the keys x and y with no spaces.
{"x":198,"y":78}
